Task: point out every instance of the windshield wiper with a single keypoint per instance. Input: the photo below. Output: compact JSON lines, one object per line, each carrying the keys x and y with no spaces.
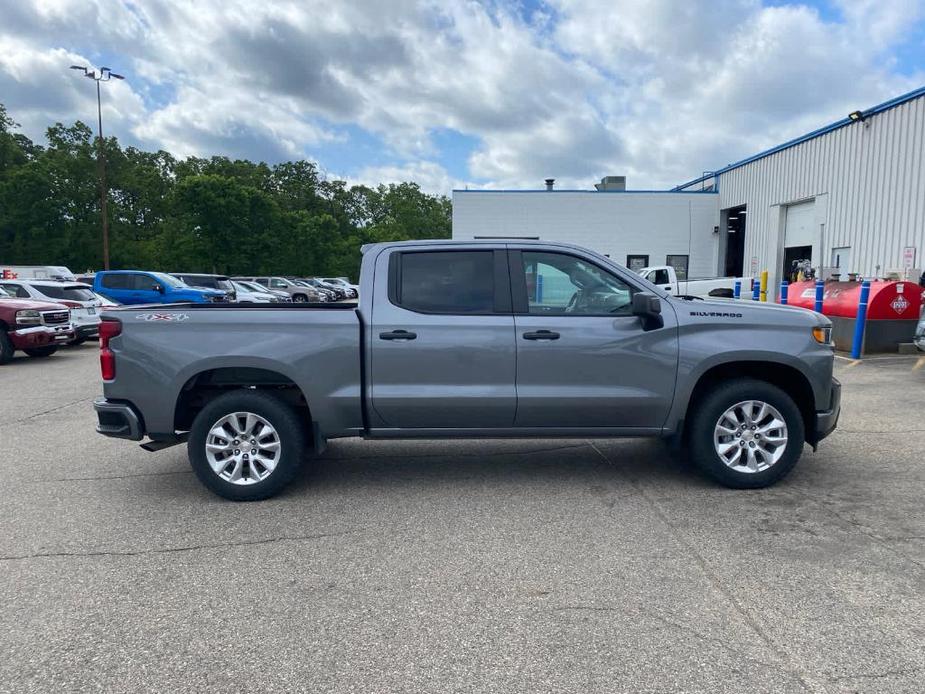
{"x":688,"y":297}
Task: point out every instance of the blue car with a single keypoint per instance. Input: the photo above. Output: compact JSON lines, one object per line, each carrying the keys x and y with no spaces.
{"x":138,"y":287}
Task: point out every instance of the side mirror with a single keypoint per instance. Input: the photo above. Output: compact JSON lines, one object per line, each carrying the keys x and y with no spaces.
{"x":649,"y":308}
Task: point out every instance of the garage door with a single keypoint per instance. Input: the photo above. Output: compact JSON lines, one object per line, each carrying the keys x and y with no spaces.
{"x":799,"y":229}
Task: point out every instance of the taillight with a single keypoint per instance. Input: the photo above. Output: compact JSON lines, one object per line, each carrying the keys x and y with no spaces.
{"x":109,"y":328}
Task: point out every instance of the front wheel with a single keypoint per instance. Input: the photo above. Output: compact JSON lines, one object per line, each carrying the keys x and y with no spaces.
{"x":746,"y":434}
{"x":246,"y":445}
{"x":41,"y":351}
{"x":300,"y":298}
{"x":6,"y":348}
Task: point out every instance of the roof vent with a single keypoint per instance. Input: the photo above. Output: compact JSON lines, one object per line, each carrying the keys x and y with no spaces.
{"x":611,"y":183}
{"x":549,"y":183}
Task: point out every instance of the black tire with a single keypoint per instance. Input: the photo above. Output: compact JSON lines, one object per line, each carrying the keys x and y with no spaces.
{"x":300,"y":298}
{"x":289,"y":428}
{"x":79,"y":341}
{"x":6,"y":348}
{"x":41,"y":351}
{"x":711,"y":407}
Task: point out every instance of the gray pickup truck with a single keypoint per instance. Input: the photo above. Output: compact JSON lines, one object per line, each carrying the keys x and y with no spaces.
{"x":477,"y":339}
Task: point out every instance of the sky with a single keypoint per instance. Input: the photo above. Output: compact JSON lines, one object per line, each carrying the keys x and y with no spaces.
{"x":453,"y":94}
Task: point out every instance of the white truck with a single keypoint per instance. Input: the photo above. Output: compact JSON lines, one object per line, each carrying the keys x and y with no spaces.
{"x":36,"y":272}
{"x":666,"y":277}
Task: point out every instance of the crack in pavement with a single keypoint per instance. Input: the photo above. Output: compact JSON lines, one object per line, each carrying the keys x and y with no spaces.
{"x":169,"y":550}
{"x":785,"y":662}
{"x":53,"y":409}
{"x":865,"y":530}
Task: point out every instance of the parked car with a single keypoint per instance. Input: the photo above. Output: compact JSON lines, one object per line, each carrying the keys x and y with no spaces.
{"x":37,"y":328}
{"x":220,"y":283}
{"x":297,"y":292}
{"x":247,"y":295}
{"x":327,"y":292}
{"x":666,"y":277}
{"x":259,"y":289}
{"x":451,"y":339}
{"x":84,"y":306}
{"x":353,"y":290}
{"x":142,"y":287}
{"x":336,"y":293}
{"x":36,"y":272}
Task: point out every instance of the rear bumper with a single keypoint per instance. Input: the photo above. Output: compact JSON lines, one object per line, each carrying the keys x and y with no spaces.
{"x":118,"y":420}
{"x":40,"y":336}
{"x":827,"y":421}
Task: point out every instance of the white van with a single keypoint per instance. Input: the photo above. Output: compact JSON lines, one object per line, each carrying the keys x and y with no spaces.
{"x":36,"y":272}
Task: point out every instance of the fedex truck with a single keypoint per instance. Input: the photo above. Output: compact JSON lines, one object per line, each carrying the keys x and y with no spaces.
{"x":36,"y":272}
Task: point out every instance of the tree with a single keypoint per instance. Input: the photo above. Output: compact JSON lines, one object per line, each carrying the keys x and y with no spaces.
{"x":194,"y":214}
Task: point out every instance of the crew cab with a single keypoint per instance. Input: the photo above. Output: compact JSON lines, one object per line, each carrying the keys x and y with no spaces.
{"x":138,"y":287}
{"x":455,"y":339}
{"x":37,"y":328}
{"x":666,"y":278}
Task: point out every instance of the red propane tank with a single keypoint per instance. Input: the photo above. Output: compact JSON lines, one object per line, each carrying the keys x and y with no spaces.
{"x":889,"y":300}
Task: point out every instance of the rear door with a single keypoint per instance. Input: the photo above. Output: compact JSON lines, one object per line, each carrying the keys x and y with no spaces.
{"x":583,"y":359}
{"x":118,"y":287}
{"x":442,"y":336}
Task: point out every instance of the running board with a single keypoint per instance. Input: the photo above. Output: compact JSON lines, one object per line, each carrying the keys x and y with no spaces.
{"x":161,"y":444}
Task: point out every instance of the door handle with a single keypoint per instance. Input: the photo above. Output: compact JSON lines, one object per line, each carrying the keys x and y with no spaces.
{"x":541,"y":335}
{"x":398,"y":335}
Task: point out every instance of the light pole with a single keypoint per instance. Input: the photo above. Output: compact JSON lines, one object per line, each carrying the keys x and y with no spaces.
{"x":103,"y":75}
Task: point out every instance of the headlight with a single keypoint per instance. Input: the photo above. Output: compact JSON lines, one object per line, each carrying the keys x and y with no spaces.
{"x":28,"y":318}
{"x":823,"y":335}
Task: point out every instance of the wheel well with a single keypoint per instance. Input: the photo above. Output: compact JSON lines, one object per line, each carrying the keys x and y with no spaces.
{"x":199,"y":390}
{"x":787,"y":378}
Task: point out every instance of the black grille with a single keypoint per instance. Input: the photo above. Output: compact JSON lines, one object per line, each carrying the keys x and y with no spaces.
{"x":56,"y":317}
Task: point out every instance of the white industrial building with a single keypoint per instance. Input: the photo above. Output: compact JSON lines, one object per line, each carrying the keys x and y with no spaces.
{"x":848,"y":197}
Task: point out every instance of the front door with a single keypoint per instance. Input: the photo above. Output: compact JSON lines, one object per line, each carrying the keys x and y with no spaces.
{"x":442,"y":342}
{"x":583,"y":360}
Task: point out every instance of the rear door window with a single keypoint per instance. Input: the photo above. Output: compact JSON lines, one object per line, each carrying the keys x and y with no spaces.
{"x":67,"y":293}
{"x":447,"y":282}
{"x":117,"y":281}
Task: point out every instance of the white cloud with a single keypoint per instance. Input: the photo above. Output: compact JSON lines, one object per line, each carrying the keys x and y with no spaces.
{"x":656,"y":90}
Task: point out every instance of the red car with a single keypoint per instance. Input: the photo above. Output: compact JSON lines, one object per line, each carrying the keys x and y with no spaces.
{"x":35,"y":327}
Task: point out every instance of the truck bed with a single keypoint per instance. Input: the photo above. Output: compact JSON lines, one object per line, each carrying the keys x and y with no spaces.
{"x":162,"y":349}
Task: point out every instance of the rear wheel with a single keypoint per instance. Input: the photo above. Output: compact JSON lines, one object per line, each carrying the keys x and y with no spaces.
{"x":746,"y":434}
{"x":246,"y":445}
{"x":6,"y":347}
{"x":41,"y":351}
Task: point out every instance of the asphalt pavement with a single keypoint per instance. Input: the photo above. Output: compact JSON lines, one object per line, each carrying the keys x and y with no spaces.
{"x":476,"y":566}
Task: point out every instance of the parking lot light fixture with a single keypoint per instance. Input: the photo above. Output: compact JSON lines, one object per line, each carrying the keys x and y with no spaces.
{"x":104,"y":74}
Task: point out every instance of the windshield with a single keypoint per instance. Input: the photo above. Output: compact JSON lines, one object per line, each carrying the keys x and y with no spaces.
{"x":247,"y":288}
{"x":253,"y":287}
{"x":63,"y":291}
{"x":169,"y":280}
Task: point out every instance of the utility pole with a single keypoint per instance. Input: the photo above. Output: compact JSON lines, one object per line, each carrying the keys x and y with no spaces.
{"x":103,"y":75}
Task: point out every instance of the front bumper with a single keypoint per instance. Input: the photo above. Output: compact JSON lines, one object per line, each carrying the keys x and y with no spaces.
{"x":827,"y":421}
{"x":118,"y":420}
{"x":41,"y":336}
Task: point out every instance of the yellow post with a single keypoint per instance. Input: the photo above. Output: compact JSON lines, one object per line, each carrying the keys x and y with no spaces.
{"x":764,"y":285}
